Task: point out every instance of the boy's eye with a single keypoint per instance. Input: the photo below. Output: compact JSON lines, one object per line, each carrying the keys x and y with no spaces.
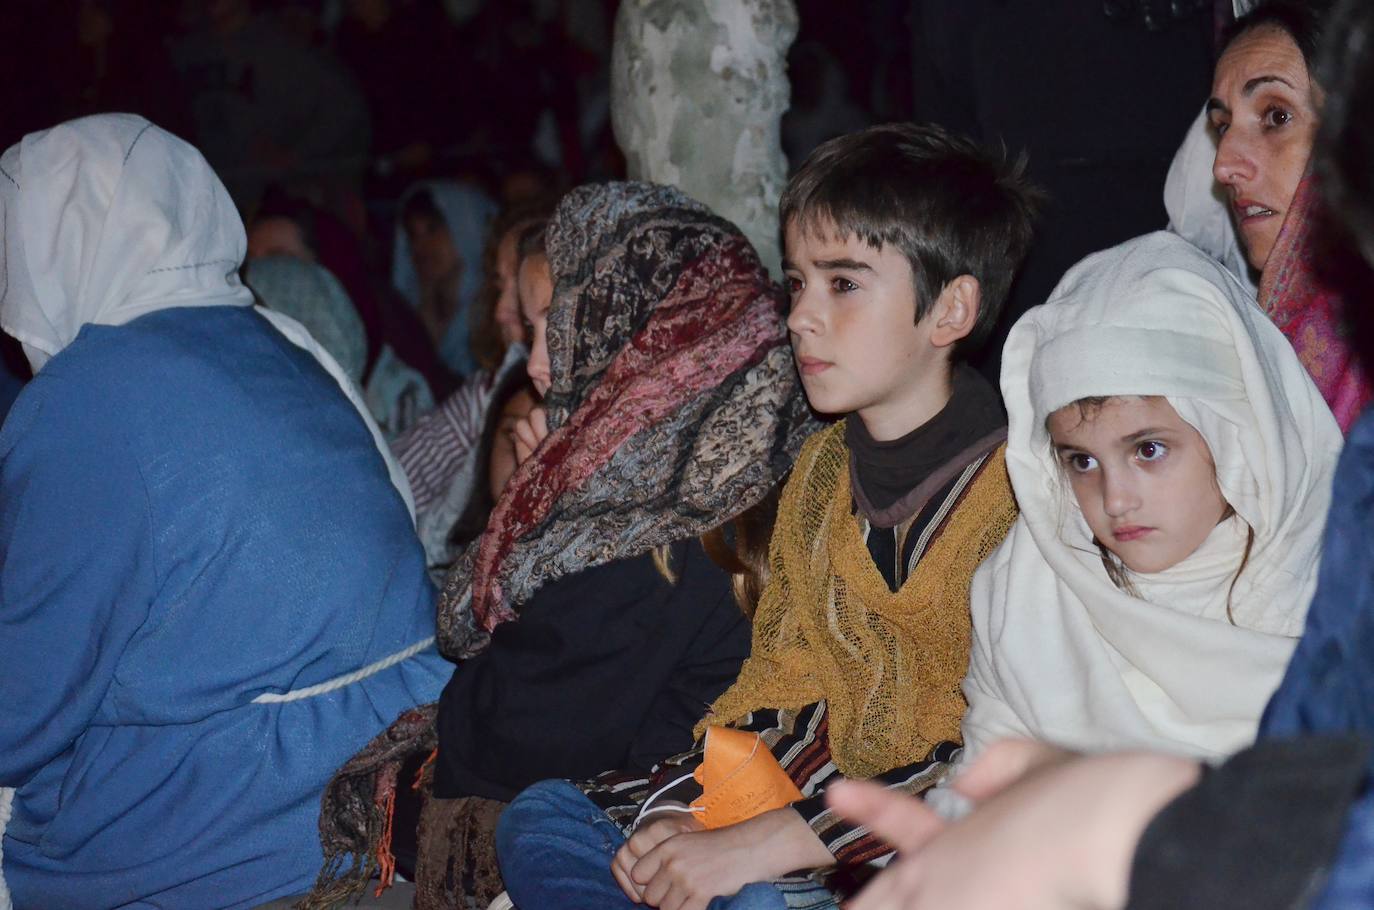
{"x":1080,"y":462}
{"x":1219,"y":127}
{"x":1151,"y":450}
{"x":794,"y":285}
{"x":843,"y":285}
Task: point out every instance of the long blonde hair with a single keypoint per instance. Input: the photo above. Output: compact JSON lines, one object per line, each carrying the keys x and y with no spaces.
{"x":742,"y":552}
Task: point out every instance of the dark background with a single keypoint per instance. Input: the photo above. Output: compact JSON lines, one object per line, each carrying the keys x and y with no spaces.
{"x":347,"y":102}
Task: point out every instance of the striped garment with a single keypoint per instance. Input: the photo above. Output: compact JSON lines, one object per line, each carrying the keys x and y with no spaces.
{"x":439,"y":445}
{"x":799,"y":738}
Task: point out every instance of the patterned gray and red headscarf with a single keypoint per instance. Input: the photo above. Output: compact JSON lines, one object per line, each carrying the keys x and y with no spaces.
{"x":674,"y":403}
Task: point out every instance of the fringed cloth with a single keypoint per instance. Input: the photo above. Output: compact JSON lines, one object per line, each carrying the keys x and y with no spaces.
{"x":889,"y":664}
{"x":357,"y":808}
{"x":674,"y":408}
{"x":1310,"y":313}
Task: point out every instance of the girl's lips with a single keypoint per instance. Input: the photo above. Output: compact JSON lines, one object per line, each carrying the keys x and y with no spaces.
{"x":1130,"y":532}
{"x":810,"y":366}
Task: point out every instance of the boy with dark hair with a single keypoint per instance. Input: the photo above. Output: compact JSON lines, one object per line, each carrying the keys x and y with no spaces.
{"x":901,"y":243}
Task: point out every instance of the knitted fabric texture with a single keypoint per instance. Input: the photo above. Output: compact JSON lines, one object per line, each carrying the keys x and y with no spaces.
{"x":828,"y":627}
{"x":674,"y":403}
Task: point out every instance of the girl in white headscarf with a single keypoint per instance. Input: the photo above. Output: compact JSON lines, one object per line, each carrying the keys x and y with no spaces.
{"x":210,"y":593}
{"x":1172,"y":461}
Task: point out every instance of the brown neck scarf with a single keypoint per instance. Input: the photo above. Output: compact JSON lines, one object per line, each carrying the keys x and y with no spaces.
{"x":674,"y":407}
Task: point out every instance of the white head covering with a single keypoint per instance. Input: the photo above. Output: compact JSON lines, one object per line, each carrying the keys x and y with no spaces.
{"x":1197,"y":207}
{"x":1060,"y":653}
{"x":109,"y":218}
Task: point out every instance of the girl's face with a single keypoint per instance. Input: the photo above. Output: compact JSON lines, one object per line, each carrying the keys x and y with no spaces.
{"x":431,"y":249}
{"x":1264,"y":109}
{"x":1143,"y":477}
{"x":506,"y":315}
{"x":536,"y":295}
{"x":503,"y":463}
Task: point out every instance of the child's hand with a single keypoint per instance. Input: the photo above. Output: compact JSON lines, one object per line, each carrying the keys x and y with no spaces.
{"x":686,"y":870}
{"x":649,"y":835}
{"x":529,"y":432}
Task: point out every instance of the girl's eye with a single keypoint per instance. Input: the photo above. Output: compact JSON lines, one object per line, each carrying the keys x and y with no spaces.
{"x":1151,"y":450}
{"x":843,"y":285}
{"x":794,"y":285}
{"x":1219,"y":128}
{"x":1276,"y":117}
{"x":1080,"y":462}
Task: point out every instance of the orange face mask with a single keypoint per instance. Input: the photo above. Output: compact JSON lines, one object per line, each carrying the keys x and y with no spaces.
{"x":740,"y":778}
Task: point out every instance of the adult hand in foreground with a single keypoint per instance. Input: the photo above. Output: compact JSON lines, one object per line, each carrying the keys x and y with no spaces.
{"x":1048,"y":830}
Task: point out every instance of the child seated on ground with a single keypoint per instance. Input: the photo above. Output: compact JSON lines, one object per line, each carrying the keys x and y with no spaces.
{"x":1189,"y":439}
{"x":1172,"y":460}
{"x":901,"y":242}
{"x":606,"y":600}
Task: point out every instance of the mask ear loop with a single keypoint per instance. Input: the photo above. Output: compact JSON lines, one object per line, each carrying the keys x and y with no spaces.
{"x":645,"y":811}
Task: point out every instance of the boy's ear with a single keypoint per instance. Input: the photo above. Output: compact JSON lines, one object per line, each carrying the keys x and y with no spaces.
{"x":956,"y":311}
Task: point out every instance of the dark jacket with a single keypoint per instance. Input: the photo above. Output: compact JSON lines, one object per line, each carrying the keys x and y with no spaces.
{"x":608,"y":668}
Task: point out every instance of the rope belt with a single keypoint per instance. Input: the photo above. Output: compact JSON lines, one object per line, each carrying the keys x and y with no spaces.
{"x":338,"y":682}
{"x":266,"y":698}
{"x":6,"y":803}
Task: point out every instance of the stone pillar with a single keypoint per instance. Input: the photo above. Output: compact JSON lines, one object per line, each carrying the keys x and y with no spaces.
{"x":698,"y":90}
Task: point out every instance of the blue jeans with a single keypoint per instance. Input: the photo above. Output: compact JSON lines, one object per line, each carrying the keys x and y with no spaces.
{"x":556,"y":846}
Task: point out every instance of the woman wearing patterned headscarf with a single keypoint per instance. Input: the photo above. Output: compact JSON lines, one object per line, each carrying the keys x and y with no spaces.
{"x":594,"y":618}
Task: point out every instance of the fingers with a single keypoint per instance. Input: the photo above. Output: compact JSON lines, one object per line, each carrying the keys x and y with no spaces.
{"x":1003,"y":764}
{"x":644,"y":869}
{"x":528,"y":432}
{"x":620,"y":868}
{"x":903,"y":821}
{"x":524,"y":446}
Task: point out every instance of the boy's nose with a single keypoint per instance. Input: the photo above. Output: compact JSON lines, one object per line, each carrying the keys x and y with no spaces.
{"x":802,"y":319}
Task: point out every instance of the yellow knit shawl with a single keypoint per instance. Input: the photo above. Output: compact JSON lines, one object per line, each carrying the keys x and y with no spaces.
{"x":889,"y":665}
